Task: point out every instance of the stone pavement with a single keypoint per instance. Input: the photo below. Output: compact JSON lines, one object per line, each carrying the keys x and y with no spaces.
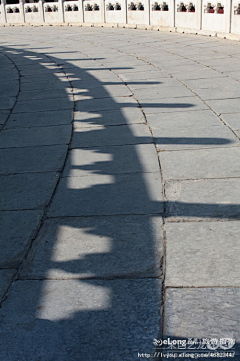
{"x":119,"y":192}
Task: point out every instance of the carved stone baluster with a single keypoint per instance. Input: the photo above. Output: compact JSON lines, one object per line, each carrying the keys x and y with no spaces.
{"x":3,"y":11}
{"x":21,"y":8}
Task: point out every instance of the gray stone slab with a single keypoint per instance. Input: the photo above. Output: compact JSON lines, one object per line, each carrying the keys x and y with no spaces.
{"x":200,"y":199}
{"x":234,"y":74}
{"x":17,"y":230}
{"x":9,"y":74}
{"x":233,"y":120}
{"x":201,"y":163}
{"x":108,"y":195}
{"x":44,"y":84}
{"x":200,"y":118}
{"x":3,"y":117}
{"x":32,"y":72}
{"x":102,"y":136}
{"x":7,"y":103}
{"x":154,"y":75}
{"x":27,"y":137}
{"x":94,"y":105}
{"x":196,"y":137}
{"x":35,"y":159}
{"x":203,"y":313}
{"x":47,"y":94}
{"x":40,"y":119}
{"x":203,"y":254}
{"x":219,"y":93}
{"x":107,"y":91}
{"x":173,"y":105}
{"x":224,"y":105}
{"x":26,"y":191}
{"x":111,"y":160}
{"x":212,"y":83}
{"x":112,"y":117}
{"x":32,"y":106}
{"x":54,"y":320}
{"x":9,"y":89}
{"x":155,"y":85}
{"x":6,"y":277}
{"x":195,"y":73}
{"x":42,"y":78}
{"x":93,"y":247}
{"x":162,"y":92}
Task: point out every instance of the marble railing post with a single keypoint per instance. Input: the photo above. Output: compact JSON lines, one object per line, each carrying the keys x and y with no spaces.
{"x":41,"y":12}
{"x":21,"y":8}
{"x":3,"y":11}
{"x":199,"y":14}
{"x":172,"y":8}
{"x":60,"y":11}
{"x":227,"y":10}
{"x":102,"y":10}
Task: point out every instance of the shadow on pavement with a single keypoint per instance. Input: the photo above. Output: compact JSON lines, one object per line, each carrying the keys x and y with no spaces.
{"x":90,"y":288}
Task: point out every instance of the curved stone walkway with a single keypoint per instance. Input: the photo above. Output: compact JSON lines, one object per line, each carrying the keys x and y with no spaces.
{"x":120,"y":206}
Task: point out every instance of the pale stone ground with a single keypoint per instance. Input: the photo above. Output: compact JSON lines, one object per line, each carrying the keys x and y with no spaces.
{"x":120,"y":191}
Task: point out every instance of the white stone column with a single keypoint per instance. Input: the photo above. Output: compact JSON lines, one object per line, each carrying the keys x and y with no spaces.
{"x":227,"y":12}
{"x":41,"y":12}
{"x":172,"y":9}
{"x":3,"y":11}
{"x":80,"y":11}
{"x":22,"y":14}
{"x":60,"y":11}
{"x":102,"y":10}
{"x":198,"y":10}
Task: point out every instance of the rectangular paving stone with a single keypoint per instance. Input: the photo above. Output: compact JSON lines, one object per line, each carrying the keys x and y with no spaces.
{"x":224,"y":105}
{"x":107,"y":195}
{"x":9,"y":89}
{"x":107,"y":91}
{"x":201,"y":199}
{"x":111,"y":117}
{"x":7,"y":103}
{"x":190,"y":137}
{"x":203,"y":313}
{"x":233,"y":120}
{"x":6,"y":277}
{"x":17,"y":230}
{"x":94,"y":247}
{"x":173,"y":105}
{"x":102,"y":136}
{"x":27,"y":137}
{"x":42,"y":105}
{"x":40,"y":119}
{"x":94,"y":105}
{"x":3,"y":117}
{"x":155,"y":85}
{"x":199,"y":118}
{"x":52,"y":319}
{"x":219,"y":93}
{"x":32,"y":72}
{"x":201,"y":163}
{"x":203,"y":254}
{"x":218,"y":83}
{"x":194,"y":73}
{"x":36,"y":159}
{"x":44,"y":84}
{"x":47,"y":94}
{"x":26,"y":191}
{"x":154,"y":75}
{"x":163,"y":92}
{"x":111,"y":160}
